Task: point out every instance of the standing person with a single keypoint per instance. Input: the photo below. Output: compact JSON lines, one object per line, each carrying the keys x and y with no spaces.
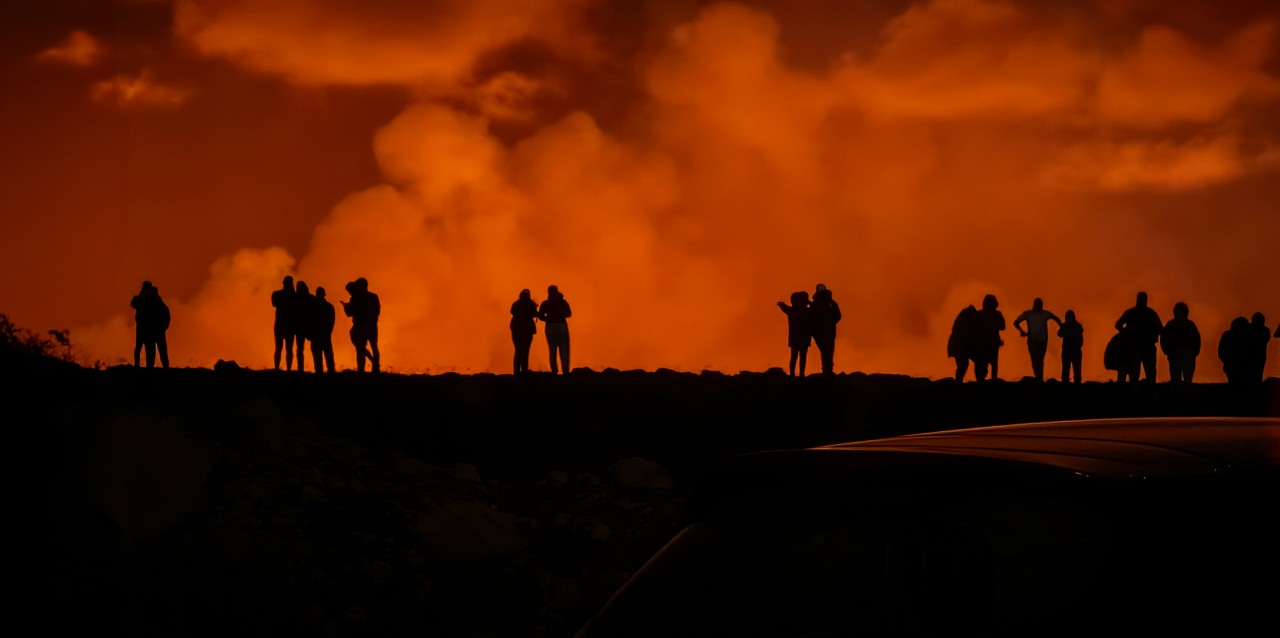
{"x":364,"y":308}
{"x":524,"y":324}
{"x":1141,"y":326}
{"x":1072,"y":333}
{"x":320,"y":323}
{"x":824,"y":314}
{"x":960,"y":345}
{"x":303,"y":309}
{"x":989,"y":324}
{"x":553,"y":312}
{"x":1037,"y":333}
{"x":1180,"y":342}
{"x":151,"y":319}
{"x":286,"y":323}
{"x":798,"y":329}
{"x":1233,"y":351}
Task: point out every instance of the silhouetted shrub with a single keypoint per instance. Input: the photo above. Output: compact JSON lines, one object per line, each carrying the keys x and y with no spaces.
{"x":22,"y":342}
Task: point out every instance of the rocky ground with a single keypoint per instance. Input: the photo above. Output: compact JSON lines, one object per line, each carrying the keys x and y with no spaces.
{"x":232,"y":501}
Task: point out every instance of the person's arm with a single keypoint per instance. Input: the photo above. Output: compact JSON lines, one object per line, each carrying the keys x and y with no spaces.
{"x":567,"y":312}
{"x":1017,"y":323}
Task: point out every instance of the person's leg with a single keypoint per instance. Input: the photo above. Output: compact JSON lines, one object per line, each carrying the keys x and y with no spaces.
{"x":980,"y":368}
{"x":564,"y":352}
{"x":1037,"y":349}
{"x":162,"y":345}
{"x":328,"y":356}
{"x":962,"y":368}
{"x":302,"y":350}
{"x":279,"y":344}
{"x":1189,"y":369}
{"x":795,"y":355}
{"x":375,"y":356}
{"x":551,"y":350}
{"x":995,"y":365}
{"x":288,"y":352}
{"x":151,"y":353}
{"x":1149,"y":363}
{"x":804,"y":360}
{"x":137,"y":350}
{"x":1077,"y":358}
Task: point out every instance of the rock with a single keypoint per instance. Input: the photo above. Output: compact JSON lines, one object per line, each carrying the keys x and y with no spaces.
{"x":462,"y":531}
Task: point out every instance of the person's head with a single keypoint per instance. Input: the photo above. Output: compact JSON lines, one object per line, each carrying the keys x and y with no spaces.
{"x":1142,"y":300}
{"x":146,"y":287}
{"x":1038,"y":304}
{"x":525,"y":294}
{"x":350,"y":287}
{"x":989,"y":302}
{"x":799,"y":298}
{"x":319,"y":292}
{"x":553,"y":291}
{"x":1259,"y":319}
{"x":1071,"y":315}
{"x":1239,"y":323}
{"x":1181,"y":311}
{"x":303,"y":288}
{"x":820,"y":288}
{"x":362,"y":284}
{"x":288,"y":282}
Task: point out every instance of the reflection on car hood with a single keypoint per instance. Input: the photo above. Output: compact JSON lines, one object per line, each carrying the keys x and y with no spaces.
{"x":1104,"y":448}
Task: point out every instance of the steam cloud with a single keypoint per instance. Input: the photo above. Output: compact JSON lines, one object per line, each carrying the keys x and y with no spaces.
{"x":977,"y":147}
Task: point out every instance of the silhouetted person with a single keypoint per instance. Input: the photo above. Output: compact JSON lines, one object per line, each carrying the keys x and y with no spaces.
{"x":987,"y":341}
{"x":1142,"y":327}
{"x":364,"y":308}
{"x":286,"y":325}
{"x":1121,"y":357}
{"x":824,"y":314}
{"x":151,"y":319}
{"x":962,"y":344}
{"x":1180,"y":342}
{"x":1257,"y":361}
{"x":321,"y":318}
{"x":524,"y":324}
{"x":799,"y":329}
{"x":303,"y":308}
{"x":554,"y":312}
{"x":1072,"y":333}
{"x":1036,"y":333}
{"x":1234,"y":351}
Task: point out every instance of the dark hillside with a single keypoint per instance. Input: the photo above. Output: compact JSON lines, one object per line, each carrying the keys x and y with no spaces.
{"x":203,"y":502}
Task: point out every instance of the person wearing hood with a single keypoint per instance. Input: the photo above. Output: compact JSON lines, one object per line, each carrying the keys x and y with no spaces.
{"x":554,"y":312}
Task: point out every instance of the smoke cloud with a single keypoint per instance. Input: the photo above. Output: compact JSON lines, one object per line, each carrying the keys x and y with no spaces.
{"x":975,"y":147}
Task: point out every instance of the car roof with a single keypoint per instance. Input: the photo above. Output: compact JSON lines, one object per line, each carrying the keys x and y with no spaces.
{"x":1123,"y":448}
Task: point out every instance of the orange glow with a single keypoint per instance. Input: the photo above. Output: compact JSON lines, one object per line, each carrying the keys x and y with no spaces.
{"x":973,"y":147}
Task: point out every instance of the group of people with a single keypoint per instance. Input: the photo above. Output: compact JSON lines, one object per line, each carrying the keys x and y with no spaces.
{"x":554,"y":313}
{"x":811,"y":320}
{"x":151,"y":321}
{"x":1131,"y":352}
{"x":303,"y":317}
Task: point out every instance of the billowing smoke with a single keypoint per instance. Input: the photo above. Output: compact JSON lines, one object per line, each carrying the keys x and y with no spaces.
{"x":977,"y":146}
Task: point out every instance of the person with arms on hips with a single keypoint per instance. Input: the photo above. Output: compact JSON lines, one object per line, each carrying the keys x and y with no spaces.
{"x":1036,"y":333}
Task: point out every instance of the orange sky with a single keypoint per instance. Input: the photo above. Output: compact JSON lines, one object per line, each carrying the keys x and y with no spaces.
{"x":675,"y":167}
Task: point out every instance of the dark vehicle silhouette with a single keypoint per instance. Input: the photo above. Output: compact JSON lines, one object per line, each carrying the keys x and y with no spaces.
{"x":1105,"y":527}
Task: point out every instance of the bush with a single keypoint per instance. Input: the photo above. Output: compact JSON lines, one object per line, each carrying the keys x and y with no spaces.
{"x":22,"y":342}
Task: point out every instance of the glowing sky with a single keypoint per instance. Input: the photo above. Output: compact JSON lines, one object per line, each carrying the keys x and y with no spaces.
{"x":675,"y":167}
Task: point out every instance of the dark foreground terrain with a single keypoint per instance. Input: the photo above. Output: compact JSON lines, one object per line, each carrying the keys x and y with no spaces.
{"x":239,"y":502}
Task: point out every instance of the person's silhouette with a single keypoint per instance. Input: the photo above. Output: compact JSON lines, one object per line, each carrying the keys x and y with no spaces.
{"x":321,"y":320}
{"x":799,"y":329}
{"x":151,"y":320}
{"x":523,"y":325}
{"x":962,"y":341}
{"x":824,"y":314}
{"x":285,"y":327}
{"x":364,"y":308}
{"x":1142,"y":327}
{"x":1037,"y":333}
{"x":1072,"y":333}
{"x":554,"y":312}
{"x":1234,"y":351}
{"x":987,"y":341}
{"x":1180,"y":342}
{"x":1257,"y":362}
{"x":303,"y":308}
